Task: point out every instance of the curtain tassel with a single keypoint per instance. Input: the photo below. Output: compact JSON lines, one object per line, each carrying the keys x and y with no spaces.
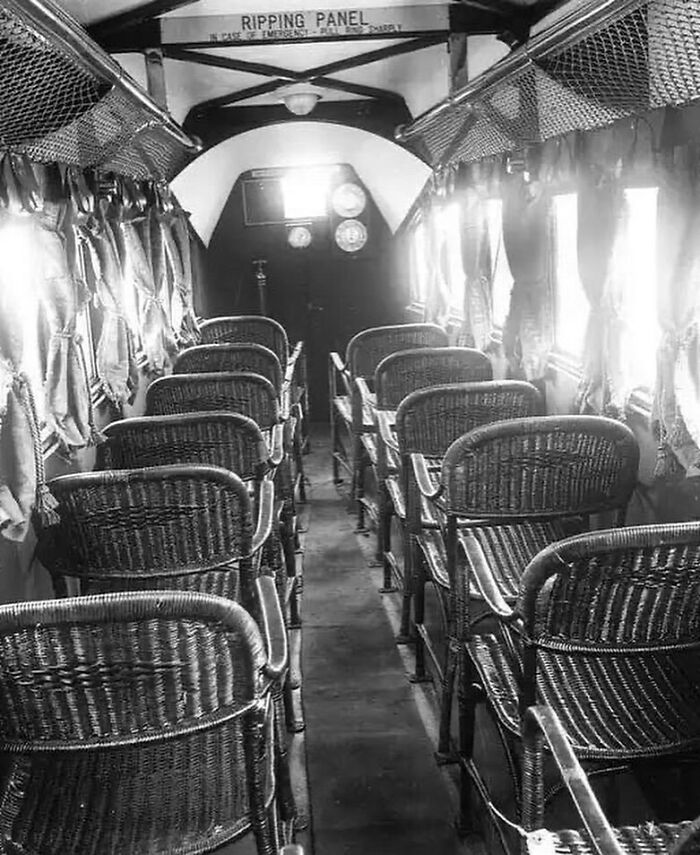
{"x":46,"y":506}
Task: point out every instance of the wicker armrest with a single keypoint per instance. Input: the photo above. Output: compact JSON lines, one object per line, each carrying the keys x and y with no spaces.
{"x":422,"y":475}
{"x":338,"y":363}
{"x":266,"y":514}
{"x":385,"y":423}
{"x":292,"y":363}
{"x":543,"y":719}
{"x":276,"y":453}
{"x":272,"y":627}
{"x":483,"y":578}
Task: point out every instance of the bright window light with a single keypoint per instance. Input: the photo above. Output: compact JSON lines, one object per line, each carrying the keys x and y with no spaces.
{"x":449,"y":222}
{"x":571,"y":303}
{"x":642,"y":331}
{"x":501,"y":277}
{"x":18,"y":259}
{"x":419,"y":265}
{"x":305,"y":193}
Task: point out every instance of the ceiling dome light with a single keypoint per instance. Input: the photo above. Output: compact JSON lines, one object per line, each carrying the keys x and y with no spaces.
{"x":301,"y":103}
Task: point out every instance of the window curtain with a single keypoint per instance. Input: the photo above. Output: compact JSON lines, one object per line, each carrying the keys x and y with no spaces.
{"x":677,"y":399}
{"x":22,"y":478}
{"x":176,"y":236}
{"x":438,"y":298}
{"x":528,"y":330}
{"x":142,"y":254}
{"x":114,"y":351}
{"x":602,"y":226}
{"x":62,"y":297}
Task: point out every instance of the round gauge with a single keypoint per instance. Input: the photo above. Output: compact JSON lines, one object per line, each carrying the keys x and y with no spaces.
{"x":349,"y":200}
{"x":351,"y":235}
{"x":299,"y":237}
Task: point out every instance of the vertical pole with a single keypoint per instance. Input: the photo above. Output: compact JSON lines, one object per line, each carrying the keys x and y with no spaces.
{"x":261,"y":280}
{"x":155,"y":77}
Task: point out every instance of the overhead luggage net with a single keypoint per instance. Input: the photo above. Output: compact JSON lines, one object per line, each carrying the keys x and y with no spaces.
{"x":589,"y":64}
{"x":63,"y":99}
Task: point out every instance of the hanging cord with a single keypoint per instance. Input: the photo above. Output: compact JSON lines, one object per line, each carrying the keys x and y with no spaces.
{"x":46,"y":503}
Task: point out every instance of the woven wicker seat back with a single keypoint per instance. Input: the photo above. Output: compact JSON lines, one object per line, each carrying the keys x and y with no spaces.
{"x":551,"y":466}
{"x":614,"y":617}
{"x":231,"y":391}
{"x":367,"y":349}
{"x":628,"y":587}
{"x":401,"y":373}
{"x":136,"y":725}
{"x":214,"y":439}
{"x":252,"y":358}
{"x":254,"y":329}
{"x":185,"y":527}
{"x":430,"y":420}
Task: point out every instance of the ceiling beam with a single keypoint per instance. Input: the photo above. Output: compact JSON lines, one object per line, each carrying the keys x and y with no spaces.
{"x":231,"y":63}
{"x":108,"y":27}
{"x":357,"y":89}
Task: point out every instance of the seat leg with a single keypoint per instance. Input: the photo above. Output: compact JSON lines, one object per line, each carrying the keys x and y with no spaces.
{"x":450,"y":673}
{"x":285,"y":795}
{"x":384,"y":540}
{"x":467,"y":697}
{"x":411,"y":570}
{"x":358,"y":478}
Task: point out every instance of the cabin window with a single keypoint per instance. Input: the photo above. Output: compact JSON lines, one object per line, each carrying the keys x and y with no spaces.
{"x":305,"y":194}
{"x":571,"y":303}
{"x":419,"y":265}
{"x":638,"y":251}
{"x":501,"y":278}
{"x":449,"y":221}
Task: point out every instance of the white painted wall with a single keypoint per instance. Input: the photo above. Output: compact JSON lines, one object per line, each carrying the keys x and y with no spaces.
{"x":392,"y":175}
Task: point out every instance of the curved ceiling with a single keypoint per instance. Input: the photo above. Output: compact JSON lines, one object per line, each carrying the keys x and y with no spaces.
{"x":392,"y":175}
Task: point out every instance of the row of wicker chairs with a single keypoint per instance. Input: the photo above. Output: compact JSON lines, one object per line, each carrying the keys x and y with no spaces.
{"x":144,"y":710}
{"x":584,"y":641}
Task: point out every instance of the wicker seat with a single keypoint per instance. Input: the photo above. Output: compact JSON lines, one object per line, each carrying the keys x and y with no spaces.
{"x":513,"y":486}
{"x":229,"y":440}
{"x":257,"y":329}
{"x":350,"y":419}
{"x":396,"y":376}
{"x":428,"y":422}
{"x":542,"y":728}
{"x":181,"y":527}
{"x":609,"y":638}
{"x":136,"y":723}
{"x":252,"y":358}
{"x":187,"y":527}
{"x":228,"y":391}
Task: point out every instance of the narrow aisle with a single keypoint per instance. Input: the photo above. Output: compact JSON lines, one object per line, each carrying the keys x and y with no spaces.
{"x":374,"y":785}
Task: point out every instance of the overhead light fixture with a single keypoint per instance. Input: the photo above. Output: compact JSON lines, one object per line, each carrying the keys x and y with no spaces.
{"x":301,"y":103}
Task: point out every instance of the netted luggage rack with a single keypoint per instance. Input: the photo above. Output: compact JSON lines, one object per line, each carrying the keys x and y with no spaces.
{"x":63,"y":99}
{"x":587,"y":65}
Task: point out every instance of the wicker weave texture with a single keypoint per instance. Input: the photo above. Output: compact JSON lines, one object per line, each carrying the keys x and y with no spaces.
{"x":215,"y":439}
{"x":548,"y":466}
{"x":367,"y":349}
{"x":649,"y":839}
{"x":430,"y":420}
{"x":404,"y":372}
{"x":254,"y":329}
{"x":236,"y":392}
{"x":251,"y":358}
{"x":611,"y":589}
{"x":104,"y":684}
{"x":151,"y":528}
